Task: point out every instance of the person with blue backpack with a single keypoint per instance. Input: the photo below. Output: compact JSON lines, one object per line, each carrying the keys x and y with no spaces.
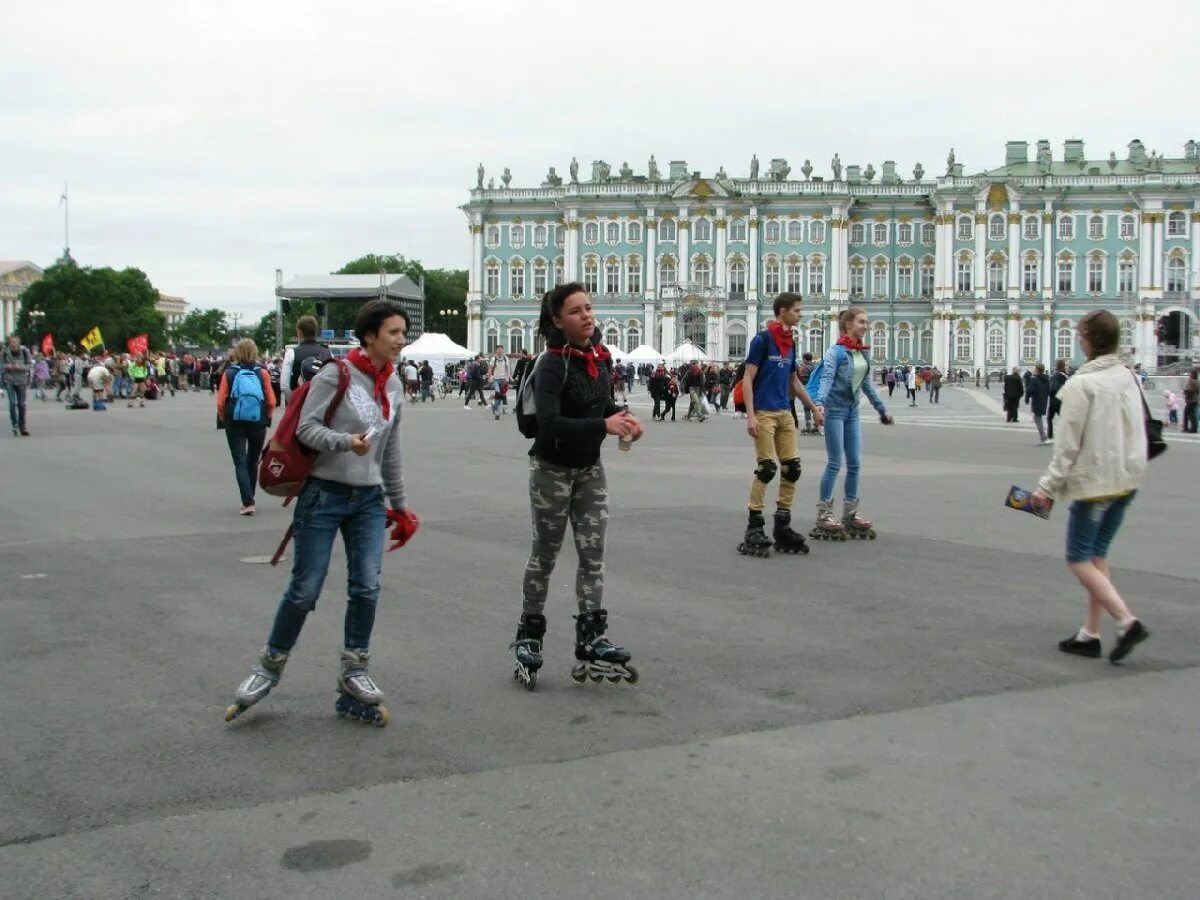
{"x":245,"y":403}
{"x":836,"y":384}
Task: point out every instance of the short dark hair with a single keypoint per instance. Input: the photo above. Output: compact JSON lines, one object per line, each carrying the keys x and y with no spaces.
{"x":807,"y":357}
{"x":552,"y":304}
{"x":372,"y":316}
{"x":306,"y":327}
{"x":786,"y":300}
{"x":1102,"y":331}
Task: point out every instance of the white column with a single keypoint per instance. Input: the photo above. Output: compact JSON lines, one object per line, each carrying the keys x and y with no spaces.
{"x":475,"y":287}
{"x":834,"y":332}
{"x":649,"y":323}
{"x":1194,"y":280}
{"x":651,"y":278}
{"x":979,"y":280}
{"x":1014,"y":252}
{"x":833,"y":270}
{"x":1048,"y":261}
{"x":1013,"y":338}
{"x":668,"y":329}
{"x":979,"y":339}
{"x":1145,"y":254}
{"x":752,"y":266}
{"x":939,"y":254}
{"x":682,"y":232}
{"x":1047,"y":340}
{"x":1156,"y":270}
{"x":939,"y":338}
{"x":752,"y":323}
{"x":719,"y":263}
{"x":948,"y":258}
{"x":571,"y":267}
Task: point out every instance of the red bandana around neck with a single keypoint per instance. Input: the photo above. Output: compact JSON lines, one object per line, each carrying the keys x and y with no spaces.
{"x":359,"y":359}
{"x":850,"y":344}
{"x":782,"y":335}
{"x":590,"y":355}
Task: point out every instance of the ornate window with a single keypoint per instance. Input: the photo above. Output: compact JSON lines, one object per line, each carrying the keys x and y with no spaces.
{"x":1032,"y":228}
{"x":962,"y":344}
{"x":928,"y":277}
{"x":612,"y":336}
{"x":1066,"y":274}
{"x":612,"y":275}
{"x":964,"y":276}
{"x":1029,"y":344}
{"x":1095,"y":274}
{"x":702,"y":229}
{"x":996,"y":227}
{"x":795,"y":231}
{"x":737,"y":230}
{"x":633,"y":335}
{"x":995,"y":344}
{"x":1030,"y":275}
{"x":516,"y":336}
{"x":816,"y":277}
{"x":539,"y":235}
{"x":634,"y":235}
{"x":997,"y":276}
{"x":928,"y":233}
{"x":858,"y":233}
{"x":858,"y":278}
{"x":612,"y":233}
{"x":816,"y":338}
{"x":879,"y":234}
{"x":1128,"y":228}
{"x":878,"y":342}
{"x":816,"y":232}
{"x":926,"y":345}
{"x":771,"y":276}
{"x":702,"y":270}
{"x":633,"y":275}
{"x":559,"y":270}
{"x":904,"y":342}
{"x":737,"y":340}
{"x":591,"y":274}
{"x":667,"y":273}
{"x":737,"y":277}
{"x":771,"y":232}
{"x":1125,"y":274}
{"x":1066,"y":228}
{"x":539,"y":277}
{"x":904,"y":279}
{"x":966,"y":228}
{"x":1176,"y":275}
{"x":1064,"y":343}
{"x":492,"y":337}
{"x":793,"y":275}
{"x":516,"y":236}
{"x":904,"y":234}
{"x":559,"y":236}
{"x":591,"y":233}
{"x":491,"y":278}
{"x":1176,"y":225}
{"x":516,"y":278}
{"x":666,"y":230}
{"x":491,"y":236}
{"x":1096,"y":228}
{"x":879,"y":279}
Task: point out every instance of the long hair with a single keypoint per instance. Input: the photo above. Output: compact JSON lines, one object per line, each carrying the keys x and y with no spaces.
{"x":552,"y":304}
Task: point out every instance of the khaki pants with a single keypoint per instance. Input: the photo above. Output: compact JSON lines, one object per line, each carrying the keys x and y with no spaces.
{"x":776,"y":441}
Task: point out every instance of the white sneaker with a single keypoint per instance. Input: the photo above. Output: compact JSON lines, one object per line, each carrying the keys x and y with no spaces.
{"x":1047,"y":441}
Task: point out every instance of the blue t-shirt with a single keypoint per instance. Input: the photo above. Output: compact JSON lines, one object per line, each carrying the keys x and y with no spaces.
{"x":773,"y":384}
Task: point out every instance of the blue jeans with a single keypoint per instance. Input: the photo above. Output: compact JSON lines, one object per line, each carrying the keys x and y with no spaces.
{"x":245,"y":446}
{"x":843,"y":436}
{"x":497,"y":383}
{"x":1092,"y":525}
{"x":322,"y":510}
{"x":16,"y":405}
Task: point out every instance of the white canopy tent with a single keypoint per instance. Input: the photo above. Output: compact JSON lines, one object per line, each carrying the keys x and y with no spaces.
{"x":685,"y":352}
{"x":438,"y":349}
{"x":617,"y":354}
{"x":643,"y":353}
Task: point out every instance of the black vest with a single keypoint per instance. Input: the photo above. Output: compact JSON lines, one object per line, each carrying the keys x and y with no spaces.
{"x":304,"y":351}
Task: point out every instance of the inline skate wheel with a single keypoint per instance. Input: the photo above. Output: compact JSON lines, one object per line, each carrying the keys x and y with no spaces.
{"x":381,"y":716}
{"x":632,"y":677}
{"x":595,"y":677}
{"x":531,"y":682}
{"x":234,"y":711}
{"x":578,"y":674}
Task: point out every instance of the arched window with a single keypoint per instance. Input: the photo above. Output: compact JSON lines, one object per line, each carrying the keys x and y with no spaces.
{"x":1095,"y":274}
{"x":1096,"y":227}
{"x":926,"y":345}
{"x":667,"y":273}
{"x":633,"y":335}
{"x":539,"y":278}
{"x":612,"y":233}
{"x":1066,"y":274}
{"x":591,"y":233}
{"x":737,"y":230}
{"x":591,"y":274}
{"x":966,"y":228}
{"x":737,"y":340}
{"x":879,"y":343}
{"x":858,"y":278}
{"x":695,"y":327}
{"x":858,"y":233}
{"x":1128,"y":228}
{"x":879,"y":279}
{"x":996,"y":227}
{"x":962,"y":343}
{"x":612,"y":336}
{"x":633,"y":275}
{"x":702,"y":270}
{"x":995,"y":344}
{"x":771,"y":232}
{"x":635,"y":232}
{"x":964,"y":275}
{"x":816,"y":338}
{"x":491,"y":278}
{"x":516,"y":336}
{"x":702,"y":229}
{"x":1031,"y":274}
{"x":904,"y":234}
{"x":1176,"y":225}
{"x":771,"y":276}
{"x":1029,"y":344}
{"x":612,"y":275}
{"x":1032,"y":228}
{"x":1176,"y":275}
{"x":904,"y":343}
{"x":539,"y":235}
{"x":816,"y":232}
{"x":559,"y":236}
{"x":795,"y":231}
{"x":880,"y":234}
{"x":928,"y":233}
{"x":516,"y":278}
{"x":997,"y":275}
{"x":793,"y":275}
{"x":816,"y":277}
{"x":1066,"y":228}
{"x":1064,"y":342}
{"x":558,"y":271}
{"x":516,"y":236}
{"x":491,"y":337}
{"x":737,"y":277}
{"x":904,"y":277}
{"x":666,"y":230}
{"x":928,"y":277}
{"x":491,"y":236}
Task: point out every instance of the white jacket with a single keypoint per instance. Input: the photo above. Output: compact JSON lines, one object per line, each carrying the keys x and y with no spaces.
{"x":1100,"y":435}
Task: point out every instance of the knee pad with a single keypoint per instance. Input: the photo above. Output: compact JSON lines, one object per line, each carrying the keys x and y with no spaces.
{"x":765,"y":470}
{"x":791,"y":469}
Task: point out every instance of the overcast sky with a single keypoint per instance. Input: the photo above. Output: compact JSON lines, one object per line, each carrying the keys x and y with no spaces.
{"x":209,"y":143}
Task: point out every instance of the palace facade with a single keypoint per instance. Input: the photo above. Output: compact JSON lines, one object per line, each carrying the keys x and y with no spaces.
{"x":973,"y":271}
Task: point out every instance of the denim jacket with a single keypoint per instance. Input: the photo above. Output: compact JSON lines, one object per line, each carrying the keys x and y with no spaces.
{"x":835,"y":392}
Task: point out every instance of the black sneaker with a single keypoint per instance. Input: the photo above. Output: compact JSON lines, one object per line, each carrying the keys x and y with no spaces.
{"x":1089,"y":648}
{"x":1134,"y":634}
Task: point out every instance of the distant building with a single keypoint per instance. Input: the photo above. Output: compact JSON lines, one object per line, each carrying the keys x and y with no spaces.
{"x":174,"y":308}
{"x":15,"y":276}
{"x":985,"y":270}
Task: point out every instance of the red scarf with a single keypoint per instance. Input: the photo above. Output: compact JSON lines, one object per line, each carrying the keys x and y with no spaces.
{"x":850,"y":344}
{"x":783,"y":336}
{"x":590,"y":355}
{"x":359,"y":359}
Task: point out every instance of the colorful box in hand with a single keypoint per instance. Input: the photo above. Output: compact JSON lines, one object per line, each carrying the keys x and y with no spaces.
{"x":1019,"y":498}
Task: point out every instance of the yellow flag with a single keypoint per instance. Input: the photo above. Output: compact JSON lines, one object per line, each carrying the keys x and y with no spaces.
{"x":92,"y":340}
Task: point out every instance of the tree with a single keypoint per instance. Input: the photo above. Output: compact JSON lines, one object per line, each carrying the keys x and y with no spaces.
{"x":445,"y":289}
{"x":202,"y":328}
{"x":71,"y":300}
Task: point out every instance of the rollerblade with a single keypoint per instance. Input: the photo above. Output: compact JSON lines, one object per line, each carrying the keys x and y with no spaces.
{"x":827,"y":528}
{"x":358,"y":696}
{"x":599,"y":658}
{"x":262,"y":680}
{"x":856,"y":527}
{"x":756,"y":542}
{"x":787,"y":540}
{"x":528,"y":645}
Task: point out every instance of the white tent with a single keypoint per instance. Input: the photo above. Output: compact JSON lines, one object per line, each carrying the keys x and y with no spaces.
{"x":617,"y":354}
{"x":685,"y":352}
{"x":438,"y":349}
{"x":643,"y":353}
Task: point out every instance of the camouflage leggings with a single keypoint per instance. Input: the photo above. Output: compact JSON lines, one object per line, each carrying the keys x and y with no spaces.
{"x":557,"y":494}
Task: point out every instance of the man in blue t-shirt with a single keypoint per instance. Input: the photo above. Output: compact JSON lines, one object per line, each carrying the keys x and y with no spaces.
{"x":768,"y":386}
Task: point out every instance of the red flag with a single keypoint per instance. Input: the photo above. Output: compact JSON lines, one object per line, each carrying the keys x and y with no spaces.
{"x":138,"y":344}
{"x":47,"y":345}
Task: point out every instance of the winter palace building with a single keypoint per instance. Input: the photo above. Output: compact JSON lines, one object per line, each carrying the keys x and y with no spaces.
{"x":974,"y":271}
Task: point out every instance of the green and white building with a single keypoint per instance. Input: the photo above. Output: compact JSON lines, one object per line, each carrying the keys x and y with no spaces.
{"x":974,"y":271}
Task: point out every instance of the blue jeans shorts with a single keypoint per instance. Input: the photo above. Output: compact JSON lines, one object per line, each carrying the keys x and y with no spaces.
{"x":1092,"y":526}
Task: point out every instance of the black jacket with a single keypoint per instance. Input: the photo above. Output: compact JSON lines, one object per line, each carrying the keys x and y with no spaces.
{"x":1014,"y":387}
{"x":571,"y":407}
{"x":658,"y":387}
{"x":1038,"y":394}
{"x":1057,"y":380}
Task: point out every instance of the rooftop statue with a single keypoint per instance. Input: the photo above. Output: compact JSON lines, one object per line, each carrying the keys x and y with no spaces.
{"x":836,"y":165}
{"x":574,"y":170}
{"x":1112,"y":161}
{"x":491,"y":184}
{"x":918,"y":172}
{"x":754,"y":167}
{"x":950,"y":162}
{"x":479,"y":176}
{"x":869,"y":172}
{"x":506,"y":177}
{"x":626,"y":172}
{"x":807,"y":169}
{"x":721,"y":176}
{"x":552,"y":179}
{"x":653,"y":169}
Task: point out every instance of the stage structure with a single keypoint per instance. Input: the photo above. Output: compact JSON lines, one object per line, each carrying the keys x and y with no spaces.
{"x":356,"y":289}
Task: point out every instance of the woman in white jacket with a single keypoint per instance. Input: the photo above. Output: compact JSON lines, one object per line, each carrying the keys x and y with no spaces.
{"x":1099,"y":463}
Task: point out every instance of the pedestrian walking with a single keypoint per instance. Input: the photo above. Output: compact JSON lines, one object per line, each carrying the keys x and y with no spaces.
{"x":1057,"y":380}
{"x":245,"y":403}
{"x":1038,"y":398}
{"x":1014,"y":390}
{"x":935,"y":385}
{"x":910,"y":385}
{"x":1191,"y":400}
{"x":18,"y":371}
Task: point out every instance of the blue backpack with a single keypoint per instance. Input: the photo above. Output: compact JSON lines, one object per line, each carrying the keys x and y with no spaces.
{"x":814,"y":377}
{"x":246,"y":395}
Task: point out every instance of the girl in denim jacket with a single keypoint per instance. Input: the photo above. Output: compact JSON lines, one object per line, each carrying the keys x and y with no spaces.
{"x":846,"y":372}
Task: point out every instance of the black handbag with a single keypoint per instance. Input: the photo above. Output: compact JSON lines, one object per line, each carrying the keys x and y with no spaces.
{"x":1155,"y":445}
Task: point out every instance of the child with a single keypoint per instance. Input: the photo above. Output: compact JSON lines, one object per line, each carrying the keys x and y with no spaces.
{"x":672,"y":396}
{"x":1174,"y":406}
